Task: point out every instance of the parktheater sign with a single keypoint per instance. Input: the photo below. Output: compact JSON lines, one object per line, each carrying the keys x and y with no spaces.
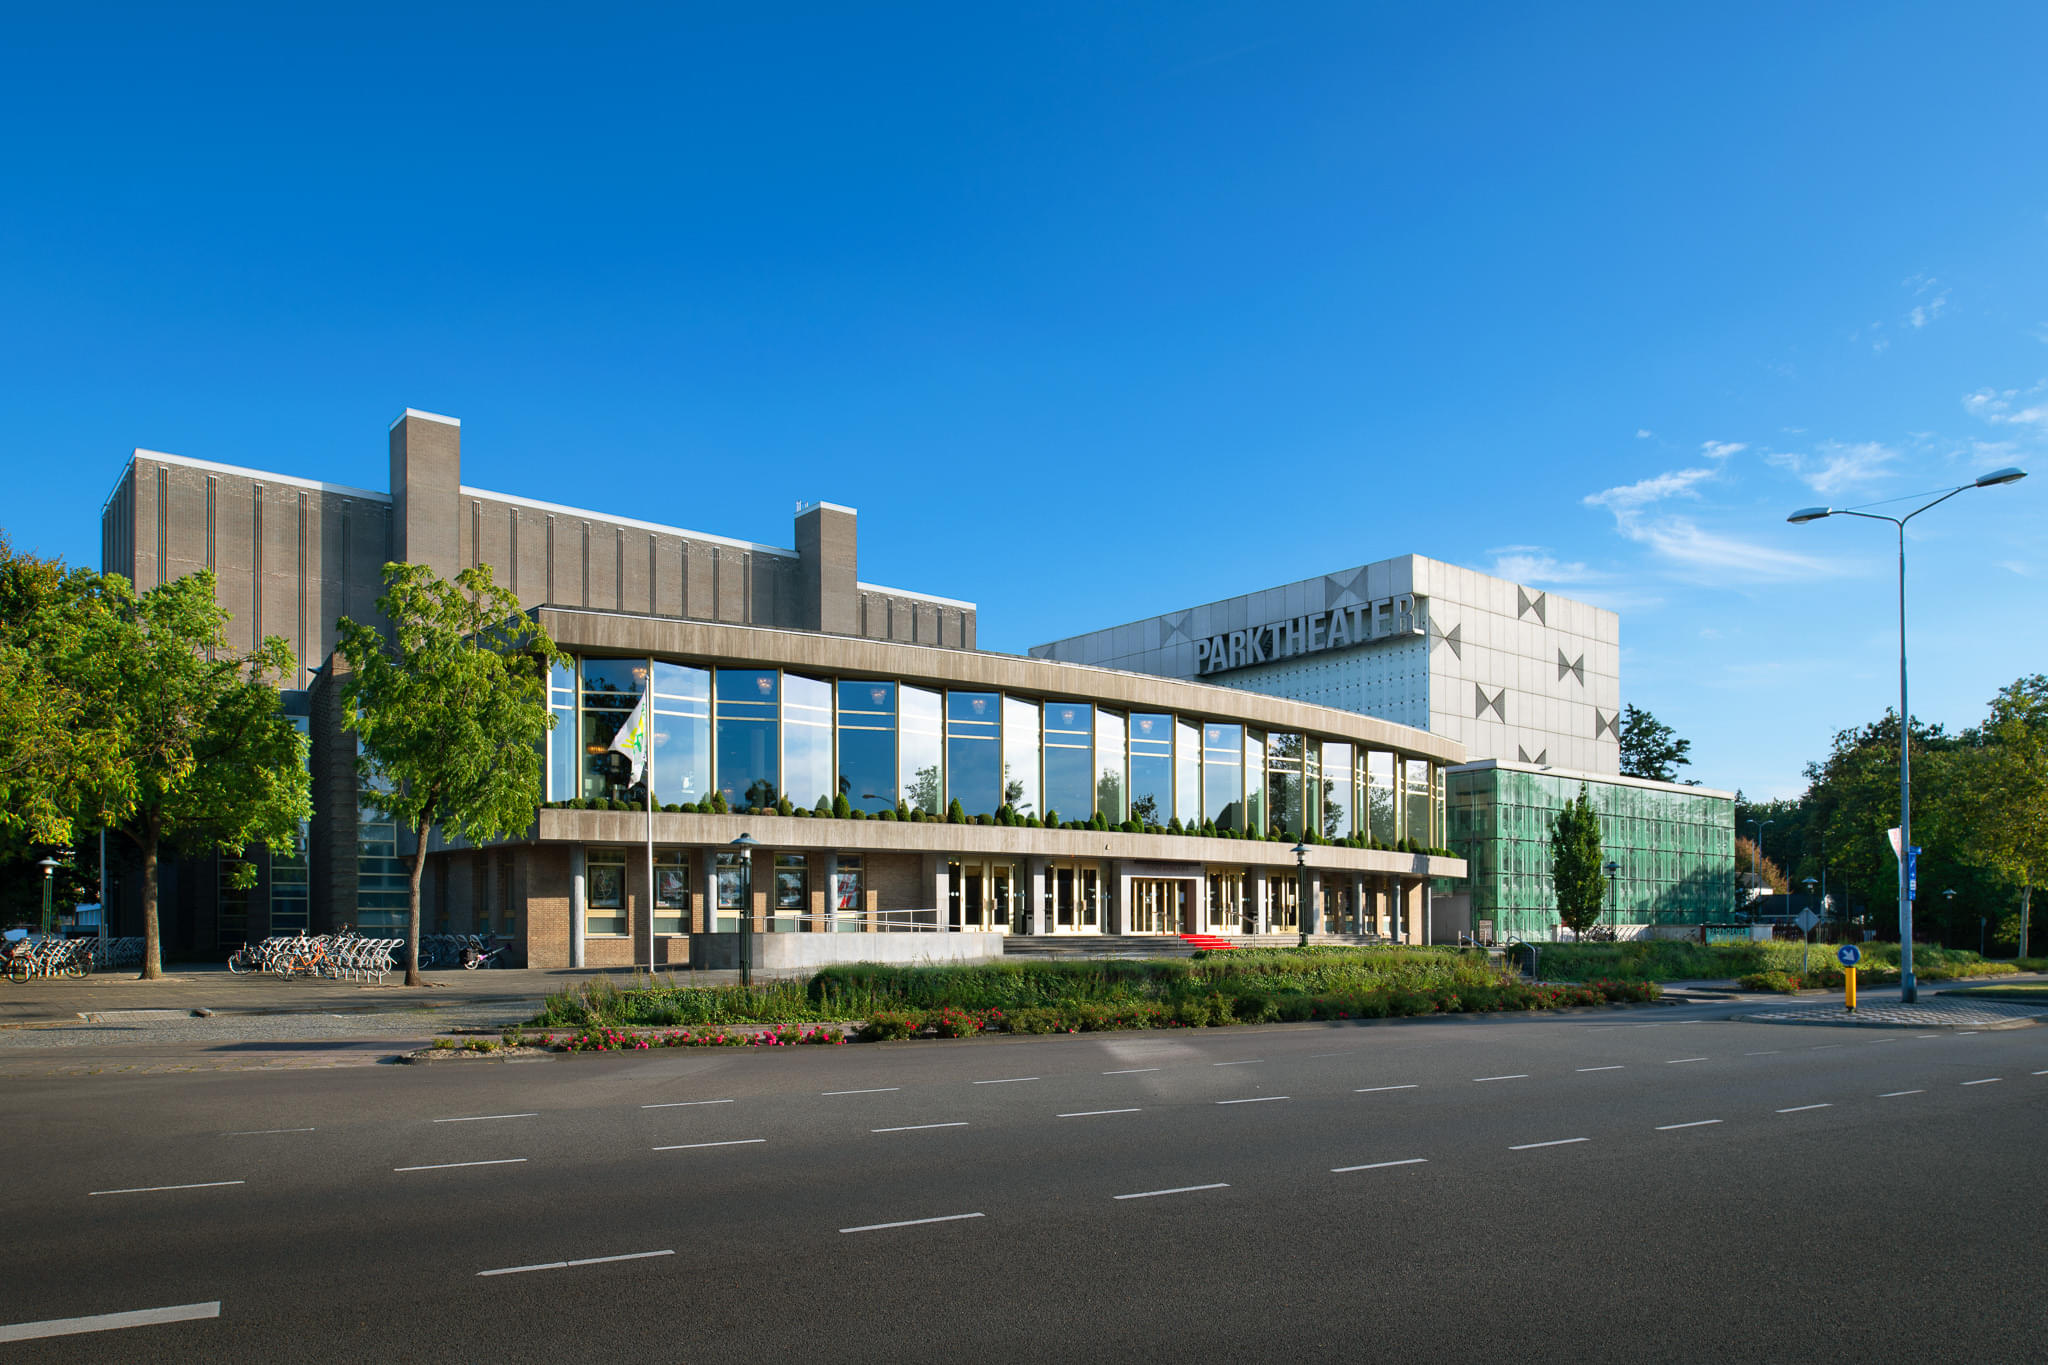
{"x":1338,"y":628}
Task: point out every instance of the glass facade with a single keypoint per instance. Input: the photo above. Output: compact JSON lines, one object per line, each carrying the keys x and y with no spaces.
{"x":604,"y":892}
{"x":757,"y":735}
{"x":1676,"y":848}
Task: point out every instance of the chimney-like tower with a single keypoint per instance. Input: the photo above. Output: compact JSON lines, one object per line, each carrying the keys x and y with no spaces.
{"x":827,"y":544}
{"x":426,"y":478}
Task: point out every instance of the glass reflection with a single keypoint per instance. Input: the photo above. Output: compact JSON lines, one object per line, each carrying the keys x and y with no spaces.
{"x":1020,"y":755}
{"x":1416,"y":813}
{"x":974,"y":769}
{"x":1254,"y":780}
{"x":867,"y":745}
{"x":1151,"y":768}
{"x":806,"y":740}
{"x":1223,"y":775}
{"x":1284,"y":782}
{"x":1069,"y":761}
{"x":611,"y":689}
{"x":682,"y":733}
{"x":1109,"y":766}
{"x":1187,"y":762}
{"x":563,"y":739}
{"x":1339,"y":816}
{"x":1379,"y":780}
{"x":921,"y":761}
{"x":747,"y":723}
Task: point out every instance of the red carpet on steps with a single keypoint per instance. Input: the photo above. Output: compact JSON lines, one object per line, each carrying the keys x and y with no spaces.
{"x":1209,"y":941}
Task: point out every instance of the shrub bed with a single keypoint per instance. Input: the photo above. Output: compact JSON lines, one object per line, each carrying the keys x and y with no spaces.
{"x":1670,"y":960}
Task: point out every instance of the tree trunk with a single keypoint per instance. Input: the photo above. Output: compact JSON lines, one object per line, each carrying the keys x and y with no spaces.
{"x":152,"y":940}
{"x":412,"y":910}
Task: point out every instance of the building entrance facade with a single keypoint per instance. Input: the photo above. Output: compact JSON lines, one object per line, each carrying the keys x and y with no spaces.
{"x":1159,"y":905}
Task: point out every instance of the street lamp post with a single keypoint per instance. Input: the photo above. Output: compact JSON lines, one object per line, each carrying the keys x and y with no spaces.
{"x":1613,"y":891}
{"x":1909,"y":990}
{"x":49,"y":867}
{"x":1301,"y":896}
{"x":1806,"y":937}
{"x":747,"y":845}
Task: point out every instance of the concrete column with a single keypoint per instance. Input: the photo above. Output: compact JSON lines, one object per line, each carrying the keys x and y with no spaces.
{"x":934,"y":878}
{"x":828,"y":864}
{"x":578,"y":889}
{"x":761,"y":888}
{"x":704,"y":918}
{"x":1116,"y":894}
{"x":1034,"y":887}
{"x":1255,"y":892}
{"x":1198,"y":901}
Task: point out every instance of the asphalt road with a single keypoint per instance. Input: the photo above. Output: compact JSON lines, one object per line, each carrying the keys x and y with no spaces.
{"x":1630,"y":1186}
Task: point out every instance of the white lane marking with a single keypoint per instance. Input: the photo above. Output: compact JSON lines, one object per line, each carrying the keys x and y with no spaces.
{"x":564,"y":1265}
{"x":1518,"y":1076}
{"x":1131,"y":1072}
{"x":1373,"y":1089}
{"x":485,"y":1118}
{"x":1253,"y":1061}
{"x":451,"y":1165}
{"x":1894,"y":1094}
{"x":914,"y":1222}
{"x":1967,"y":1033}
{"x":1676,"y":1061}
{"x":882,"y":1091}
{"x":672,"y":1104}
{"x":1554,"y":1142}
{"x":1988,"y":1080}
{"x":1802,"y":1108}
{"x":1007,"y":1080}
{"x":1091,"y":1113}
{"x":1603,"y":1068}
{"x":1257,"y":1099}
{"x":1927,"y":1035}
{"x":1380,"y":1165}
{"x":1769,"y":1052}
{"x":1178,"y":1189}
{"x":914,"y":1127}
{"x":259,"y":1132}
{"x":1822,"y":1047}
{"x":1696,"y":1123}
{"x":687,"y":1146}
{"x":1346,"y":1053}
{"x":2041,"y":1073}
{"x":157,"y":1189}
{"x":108,"y":1322}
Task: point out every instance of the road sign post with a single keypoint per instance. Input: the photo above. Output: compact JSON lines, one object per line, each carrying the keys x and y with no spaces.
{"x":1806,"y":919}
{"x":1850,"y":955}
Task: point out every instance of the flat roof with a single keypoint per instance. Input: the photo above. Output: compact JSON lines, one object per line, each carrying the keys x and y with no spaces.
{"x":1574,"y":775}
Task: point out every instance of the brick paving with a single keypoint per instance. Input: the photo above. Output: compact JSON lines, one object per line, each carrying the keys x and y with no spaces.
{"x":1940,"y":1012}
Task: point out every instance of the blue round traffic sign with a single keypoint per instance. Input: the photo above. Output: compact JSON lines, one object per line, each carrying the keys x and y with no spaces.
{"x":1850,"y":954}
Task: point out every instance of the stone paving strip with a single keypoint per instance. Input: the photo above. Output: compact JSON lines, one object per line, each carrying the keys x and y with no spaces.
{"x":1947,"y":1012}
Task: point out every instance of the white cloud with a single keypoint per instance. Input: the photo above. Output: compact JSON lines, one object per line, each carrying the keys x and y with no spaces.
{"x":2009,"y":407}
{"x":1696,"y":552}
{"x":1628,"y":497}
{"x":1721,"y":450}
{"x":2015,"y":566}
{"x":1924,"y":313}
{"x":1535,"y":564}
{"x":1644,"y":433}
{"x":1838,"y":466}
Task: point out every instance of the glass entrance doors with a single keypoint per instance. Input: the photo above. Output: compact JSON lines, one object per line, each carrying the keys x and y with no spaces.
{"x":980,"y":897}
{"x":1073,"y":898}
{"x":1230,"y":912}
{"x":1159,"y":905}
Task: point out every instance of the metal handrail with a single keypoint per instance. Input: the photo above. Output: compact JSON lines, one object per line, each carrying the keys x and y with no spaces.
{"x":1535,"y":955}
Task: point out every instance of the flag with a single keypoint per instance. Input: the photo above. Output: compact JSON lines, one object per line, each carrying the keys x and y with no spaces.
{"x":632,"y":738}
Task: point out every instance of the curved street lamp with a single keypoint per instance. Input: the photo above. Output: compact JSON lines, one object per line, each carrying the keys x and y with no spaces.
{"x":1612,"y":867}
{"x":1301,"y":896}
{"x":1909,"y":990}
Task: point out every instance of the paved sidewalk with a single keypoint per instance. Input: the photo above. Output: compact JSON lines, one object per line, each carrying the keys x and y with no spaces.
{"x":1941,"y":1011}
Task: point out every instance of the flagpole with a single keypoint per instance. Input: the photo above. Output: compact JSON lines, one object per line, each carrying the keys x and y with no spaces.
{"x":648,"y":786}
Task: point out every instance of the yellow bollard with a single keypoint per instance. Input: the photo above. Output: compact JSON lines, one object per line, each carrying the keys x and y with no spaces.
{"x":1849,"y":984}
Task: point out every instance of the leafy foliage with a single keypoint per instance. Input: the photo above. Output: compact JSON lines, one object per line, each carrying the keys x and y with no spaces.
{"x":1575,"y":874}
{"x":1651,"y":749}
{"x":450,"y":710}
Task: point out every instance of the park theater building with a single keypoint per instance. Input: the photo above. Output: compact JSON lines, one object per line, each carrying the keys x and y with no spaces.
{"x":777,"y":682}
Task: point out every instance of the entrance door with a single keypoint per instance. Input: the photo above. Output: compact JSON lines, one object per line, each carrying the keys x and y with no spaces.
{"x":1158,"y":905}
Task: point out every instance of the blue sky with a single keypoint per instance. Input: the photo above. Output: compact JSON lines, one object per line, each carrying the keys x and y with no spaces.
{"x":1097,"y":311}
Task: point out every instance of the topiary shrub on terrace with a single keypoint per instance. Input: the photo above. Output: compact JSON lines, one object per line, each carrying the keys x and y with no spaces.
{"x":842,"y":809}
{"x":956,"y":814}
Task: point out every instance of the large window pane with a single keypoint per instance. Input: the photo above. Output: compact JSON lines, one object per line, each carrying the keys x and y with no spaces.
{"x":867,"y":745}
{"x":611,"y":689}
{"x":1187,"y":762}
{"x":806,"y":740}
{"x":1020,"y":755}
{"x":974,"y":755}
{"x":563,"y":766}
{"x":1069,"y":762}
{"x":682,"y":733}
{"x":792,"y":894}
{"x":748,"y":773}
{"x":604,"y":895}
{"x":1339,"y":801}
{"x":671,"y":888}
{"x":1416,"y":815}
{"x":1223,"y":775}
{"x":1285,"y":789}
{"x":1109,"y":766}
{"x":1151,"y":768}
{"x":1255,"y":781}
{"x":921,"y":765}
{"x":1379,"y":778}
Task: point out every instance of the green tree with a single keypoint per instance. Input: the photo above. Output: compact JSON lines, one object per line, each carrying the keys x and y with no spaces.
{"x":2007,"y":783}
{"x":192,"y":749}
{"x":1651,"y":749}
{"x":44,"y":750}
{"x":450,"y":711}
{"x":1575,"y":864}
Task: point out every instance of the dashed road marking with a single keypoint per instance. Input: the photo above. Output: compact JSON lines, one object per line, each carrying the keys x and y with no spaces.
{"x":260,"y":1132}
{"x":1554,"y":1142}
{"x":1178,"y":1189}
{"x":108,"y":1322}
{"x":1131,"y":1071}
{"x":485,"y":1118}
{"x":158,"y":1189}
{"x":729,"y":1142}
{"x":1007,"y":1080}
{"x":880,"y":1090}
{"x":1894,"y":1094}
{"x":1696,"y":1123}
{"x":1373,"y":1089}
{"x":1251,"y":1061}
{"x":1518,"y":1076}
{"x":683,"y":1104}
{"x":564,"y":1265}
{"x":1675,"y":1061}
{"x":452,"y":1165}
{"x":915,"y":1127}
{"x":1380,"y":1165}
{"x":1988,"y":1080}
{"x":1257,"y":1099}
{"x":1603,"y":1068}
{"x":1802,"y":1108}
{"x":1093,"y":1113}
{"x":914,"y":1222}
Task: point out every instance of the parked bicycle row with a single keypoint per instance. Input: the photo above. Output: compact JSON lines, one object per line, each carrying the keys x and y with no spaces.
{"x":349,"y":956}
{"x":32,"y":955}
